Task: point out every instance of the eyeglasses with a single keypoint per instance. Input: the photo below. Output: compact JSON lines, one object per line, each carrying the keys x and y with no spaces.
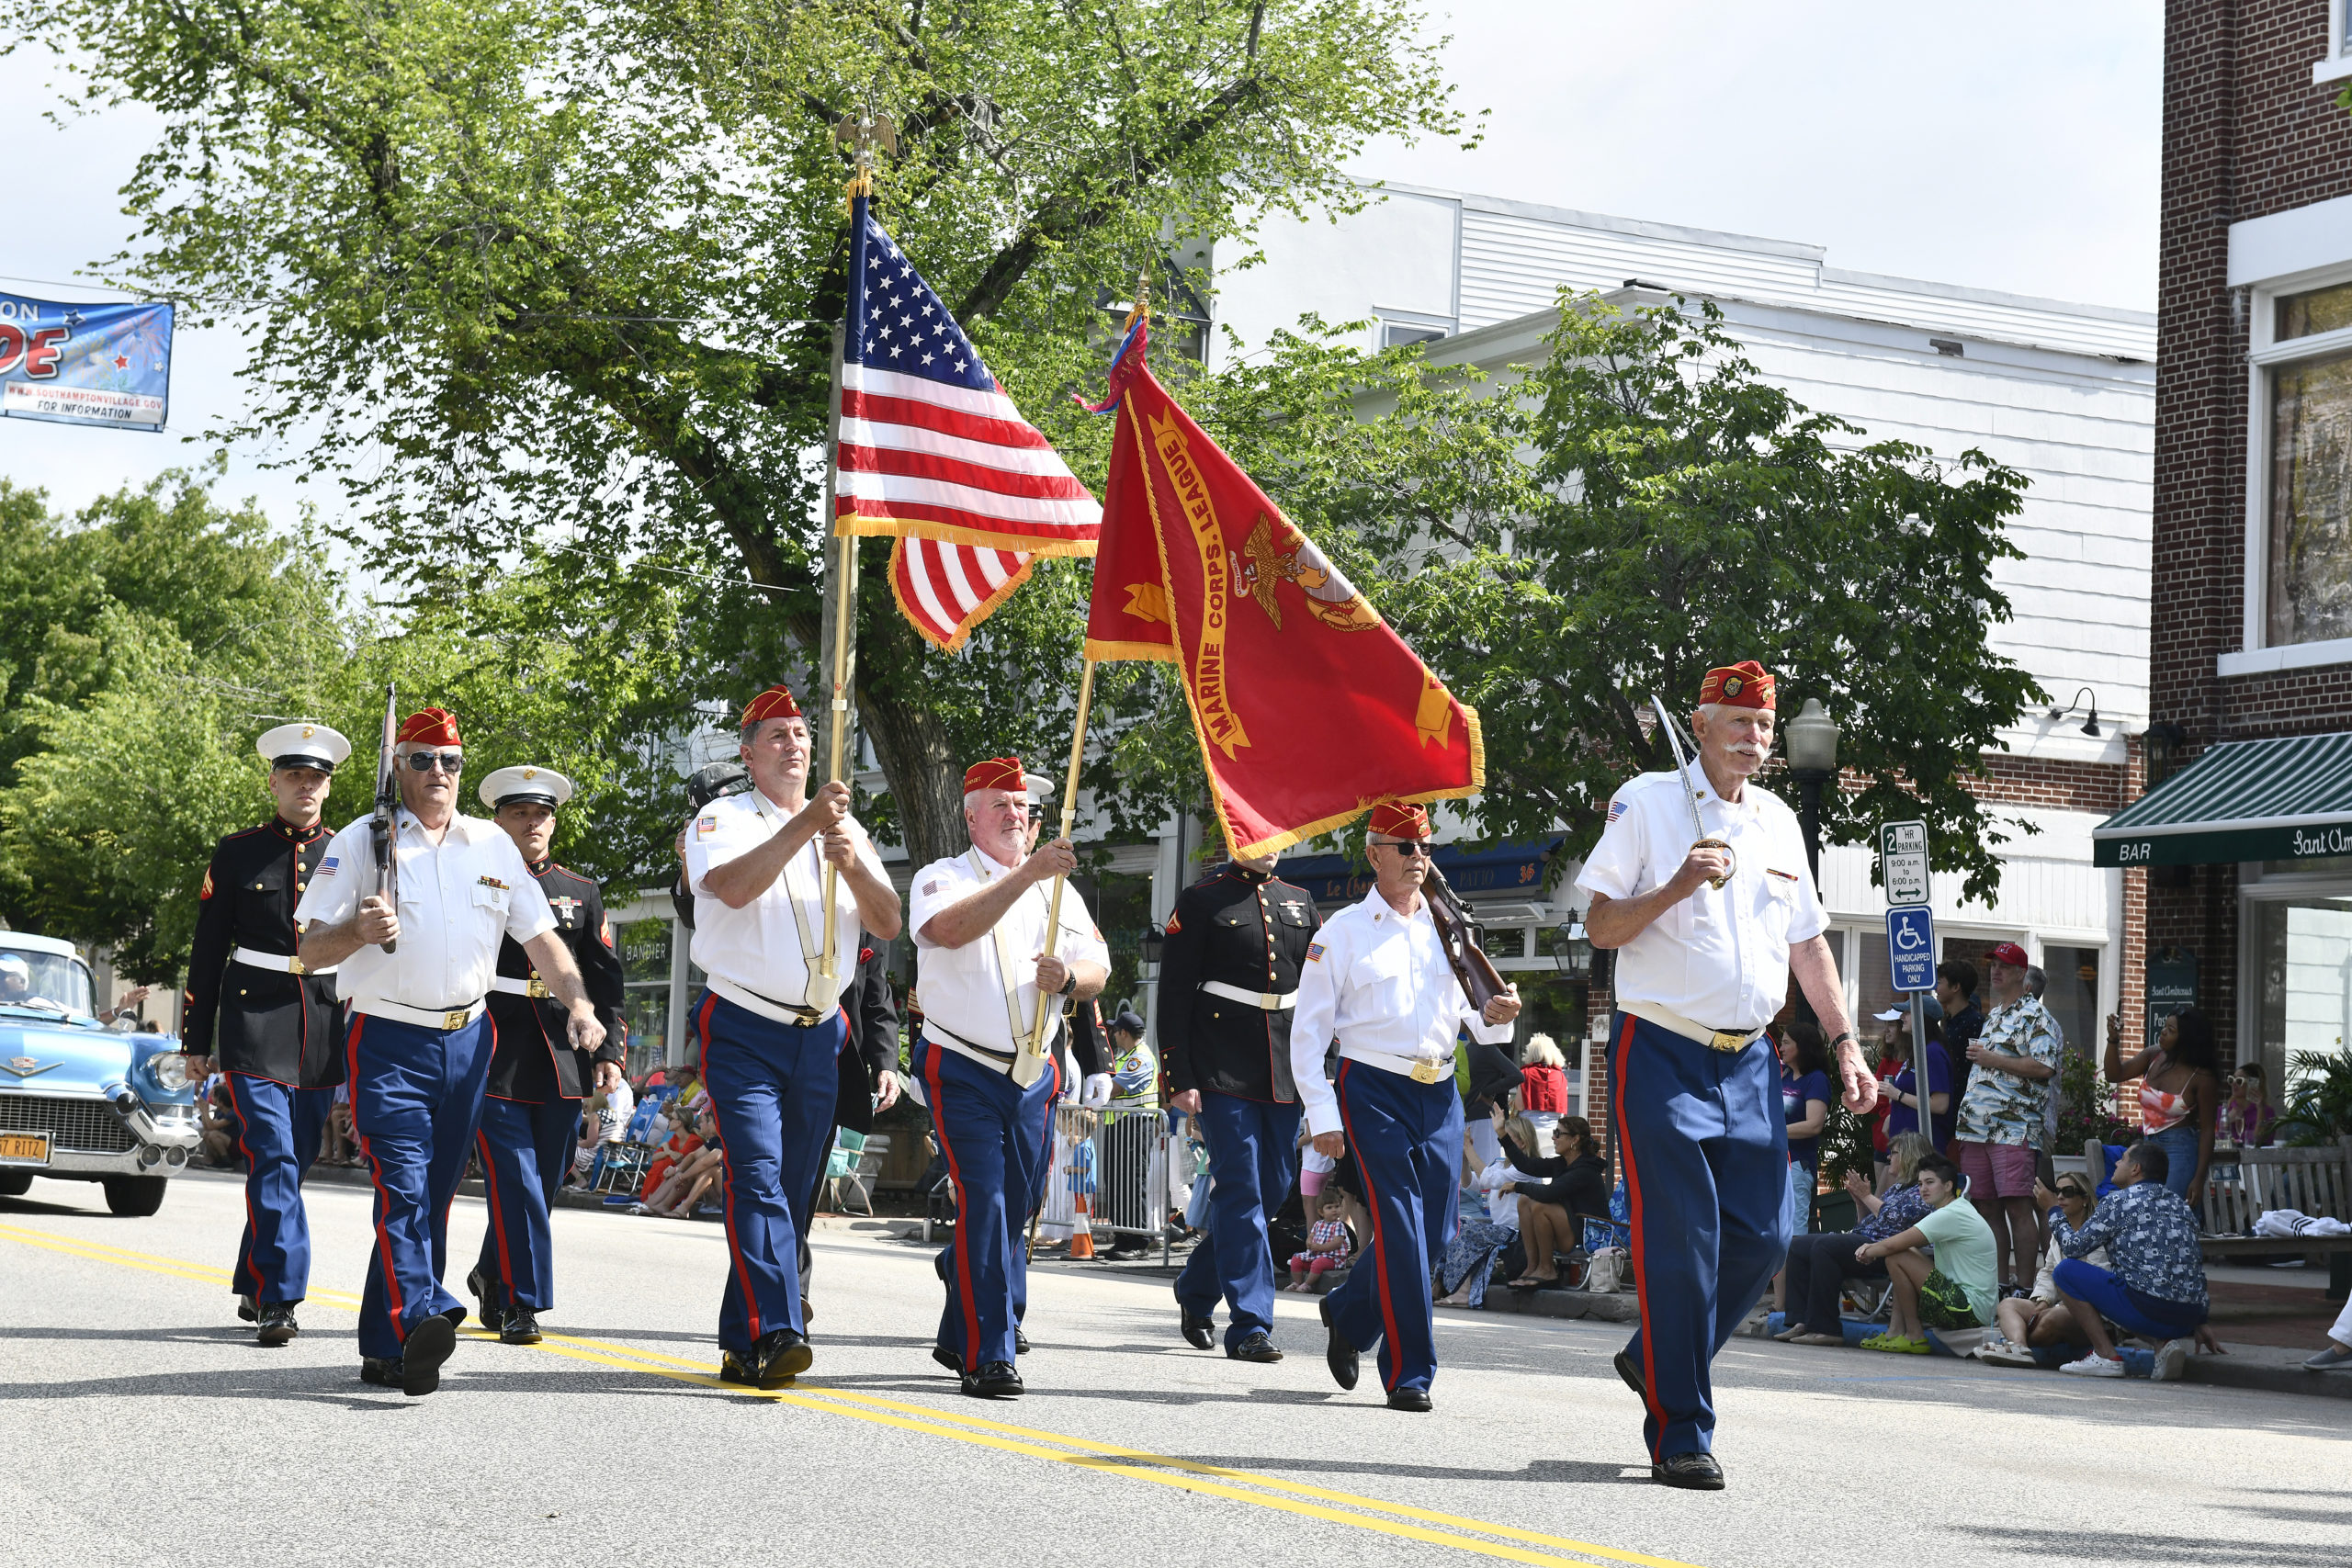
{"x":1409,"y":849}
{"x":424,"y":762}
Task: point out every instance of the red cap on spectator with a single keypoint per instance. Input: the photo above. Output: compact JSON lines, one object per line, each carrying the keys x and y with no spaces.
{"x":997,"y":773}
{"x":1741,"y":685}
{"x":430,"y":727}
{"x":775,"y":702}
{"x":2009,"y":952}
{"x":1394,"y":819}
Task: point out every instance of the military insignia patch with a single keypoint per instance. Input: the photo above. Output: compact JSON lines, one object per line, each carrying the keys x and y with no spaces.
{"x":1314,"y":953}
{"x":606,"y":932}
{"x":1790,"y":876}
{"x":206,"y":891}
{"x":1174,"y":925}
{"x":706,"y":826}
{"x":493,"y":882}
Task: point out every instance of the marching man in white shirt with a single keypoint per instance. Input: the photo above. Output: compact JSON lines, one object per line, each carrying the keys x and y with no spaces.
{"x":419,"y":1051}
{"x":1702,"y":965}
{"x":770,"y":1024}
{"x":982,"y":969}
{"x":1377,"y":977}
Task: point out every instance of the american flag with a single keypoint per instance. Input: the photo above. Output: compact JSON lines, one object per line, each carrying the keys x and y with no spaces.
{"x":934,"y":454}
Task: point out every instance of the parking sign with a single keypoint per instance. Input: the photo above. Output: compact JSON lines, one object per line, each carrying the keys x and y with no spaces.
{"x":1911,"y":948}
{"x":1903,"y":861}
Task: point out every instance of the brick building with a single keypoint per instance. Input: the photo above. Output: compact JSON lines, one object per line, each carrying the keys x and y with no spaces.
{"x":2241,"y":855}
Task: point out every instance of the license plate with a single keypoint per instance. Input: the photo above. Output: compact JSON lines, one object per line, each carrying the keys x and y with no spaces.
{"x":23,"y":1148}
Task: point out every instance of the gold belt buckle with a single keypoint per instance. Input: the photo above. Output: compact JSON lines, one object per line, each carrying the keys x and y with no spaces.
{"x":536,"y":988}
{"x":1427,"y":1072}
{"x":454,"y":1020}
{"x":294,"y":966}
{"x":1730,"y":1039}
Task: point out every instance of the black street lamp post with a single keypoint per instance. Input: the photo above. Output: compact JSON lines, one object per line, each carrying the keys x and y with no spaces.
{"x":1812,"y":739}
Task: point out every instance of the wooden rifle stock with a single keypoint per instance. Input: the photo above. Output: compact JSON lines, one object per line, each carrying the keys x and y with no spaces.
{"x":1481,"y":982}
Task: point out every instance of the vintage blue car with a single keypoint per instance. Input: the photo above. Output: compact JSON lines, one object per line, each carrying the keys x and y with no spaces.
{"x":78,"y":1101}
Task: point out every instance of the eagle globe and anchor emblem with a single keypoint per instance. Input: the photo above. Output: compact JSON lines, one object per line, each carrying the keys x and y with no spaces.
{"x":1276,"y":553}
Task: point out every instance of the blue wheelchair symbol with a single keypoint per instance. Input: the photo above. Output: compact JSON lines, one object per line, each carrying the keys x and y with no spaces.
{"x":1911,"y":949}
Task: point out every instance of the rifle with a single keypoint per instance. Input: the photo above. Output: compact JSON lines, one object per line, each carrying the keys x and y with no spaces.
{"x":388,"y":805}
{"x":1480,"y":980}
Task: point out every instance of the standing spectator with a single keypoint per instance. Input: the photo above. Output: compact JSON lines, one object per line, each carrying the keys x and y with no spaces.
{"x":1543,"y":1083}
{"x":2013,"y":1058}
{"x":1804,"y":1108}
{"x":2157,"y":1285}
{"x":2248,"y":1115}
{"x":2180,"y":1095}
{"x":1899,"y":1092}
{"x":1889,"y":1058}
{"x":1964,"y":1019}
{"x":1819,"y":1265}
{"x":1956,"y":1291}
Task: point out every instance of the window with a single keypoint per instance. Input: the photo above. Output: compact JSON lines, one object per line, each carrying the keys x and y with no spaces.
{"x":2304,"y":947}
{"x":2337,"y":61}
{"x":1396,"y":335}
{"x":2072,"y":995}
{"x":2298,"y":585}
{"x":644,"y":947}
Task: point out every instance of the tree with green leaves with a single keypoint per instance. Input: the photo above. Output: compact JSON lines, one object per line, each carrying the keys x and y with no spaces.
{"x":527,"y":275}
{"x":1681,"y":512}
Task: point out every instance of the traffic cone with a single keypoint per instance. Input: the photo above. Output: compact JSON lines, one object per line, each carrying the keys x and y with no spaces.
{"x":1081,"y":1234}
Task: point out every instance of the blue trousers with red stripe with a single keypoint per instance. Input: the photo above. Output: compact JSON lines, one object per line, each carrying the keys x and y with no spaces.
{"x":1253,"y":1158}
{"x":1706,"y":1160}
{"x":278,"y":1133}
{"x":525,"y":1148}
{"x":772,"y":1088}
{"x":998,"y":1140}
{"x":1407,"y":1138}
{"x":416,"y":1098}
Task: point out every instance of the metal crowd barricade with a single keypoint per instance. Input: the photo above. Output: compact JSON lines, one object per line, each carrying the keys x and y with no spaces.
{"x":1129,"y":1177}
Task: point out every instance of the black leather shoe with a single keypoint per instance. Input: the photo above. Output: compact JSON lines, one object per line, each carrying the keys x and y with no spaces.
{"x":1020,"y":1341}
{"x":1633,"y":1375}
{"x":1413,"y":1399}
{"x":377,"y":1370}
{"x":807,"y":1313}
{"x":1257,"y":1346}
{"x":278,"y":1324}
{"x":993,"y":1379}
{"x":779,"y":1357}
{"x":1338,"y":1353}
{"x":427,"y":1346}
{"x":492,"y":1318}
{"x":1692,"y":1473}
{"x":1200,"y":1333}
{"x":521,"y":1327}
{"x":948,"y":1358}
{"x":246,"y":1310}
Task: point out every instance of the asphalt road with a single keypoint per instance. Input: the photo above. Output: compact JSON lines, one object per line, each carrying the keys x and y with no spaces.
{"x":139,"y":1424}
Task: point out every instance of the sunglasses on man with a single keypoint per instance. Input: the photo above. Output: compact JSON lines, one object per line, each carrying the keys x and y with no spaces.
{"x":1409,"y":849}
{"x":425,"y":762}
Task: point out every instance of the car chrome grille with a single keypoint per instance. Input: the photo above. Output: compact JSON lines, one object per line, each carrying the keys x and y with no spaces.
{"x":84,"y":1126}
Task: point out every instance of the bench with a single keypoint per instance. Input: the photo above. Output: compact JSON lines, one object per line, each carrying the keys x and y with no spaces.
{"x":2315,"y":1181}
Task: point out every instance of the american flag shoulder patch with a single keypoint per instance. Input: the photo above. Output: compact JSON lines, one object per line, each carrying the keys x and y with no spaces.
{"x":931,"y":888}
{"x":705,"y":825}
{"x":1314,"y":953}
{"x":326,"y":866}
{"x":1616,"y":809}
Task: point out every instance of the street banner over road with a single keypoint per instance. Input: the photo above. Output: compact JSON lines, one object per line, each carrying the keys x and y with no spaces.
{"x":107,"y":365}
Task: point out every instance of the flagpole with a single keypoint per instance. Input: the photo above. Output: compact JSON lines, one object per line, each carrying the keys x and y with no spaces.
{"x":1034,"y":1057}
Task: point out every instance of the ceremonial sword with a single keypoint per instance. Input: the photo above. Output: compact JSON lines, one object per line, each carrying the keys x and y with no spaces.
{"x":1682,"y":771}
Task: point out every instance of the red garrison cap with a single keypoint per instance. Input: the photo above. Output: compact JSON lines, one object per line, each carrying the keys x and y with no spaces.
{"x":1741,"y":685}
{"x":2010,"y":954}
{"x":997,"y":773}
{"x":1394,"y":819}
{"x":429,"y":726}
{"x":775,"y":702}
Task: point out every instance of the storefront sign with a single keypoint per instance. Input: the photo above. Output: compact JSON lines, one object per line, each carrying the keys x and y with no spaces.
{"x":2172,"y":986}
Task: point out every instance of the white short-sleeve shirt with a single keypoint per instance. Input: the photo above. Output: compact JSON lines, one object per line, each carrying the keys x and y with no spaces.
{"x":962,"y":988}
{"x":766,"y":946}
{"x":1721,"y":957}
{"x":459,"y":899}
{"x":1376,"y":980}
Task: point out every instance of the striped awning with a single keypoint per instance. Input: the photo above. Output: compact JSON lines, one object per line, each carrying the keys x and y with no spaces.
{"x":2289,"y":798}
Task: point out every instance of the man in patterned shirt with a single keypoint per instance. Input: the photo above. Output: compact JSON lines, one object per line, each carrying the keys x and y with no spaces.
{"x":2014,"y":1061}
{"x":2157,"y":1287}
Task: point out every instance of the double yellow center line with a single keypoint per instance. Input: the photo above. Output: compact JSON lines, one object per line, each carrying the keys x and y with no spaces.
{"x":1400,"y":1521}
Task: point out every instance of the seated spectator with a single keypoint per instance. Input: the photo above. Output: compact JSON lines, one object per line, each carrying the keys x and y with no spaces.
{"x":337,"y":1146}
{"x":684,"y":1141}
{"x":1957,"y":1290}
{"x":2337,"y":1356}
{"x":2247,"y":1116}
{"x":1819,"y":1265}
{"x":1486,"y":1242}
{"x":695,"y":1174}
{"x":1327,"y":1243}
{"x":1552,"y":1212}
{"x":2156,"y":1286}
{"x":217,"y":1124}
{"x":2040,"y":1320}
{"x":1543,"y":1083}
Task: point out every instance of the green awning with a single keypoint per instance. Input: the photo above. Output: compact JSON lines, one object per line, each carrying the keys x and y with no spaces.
{"x":2285,"y":799}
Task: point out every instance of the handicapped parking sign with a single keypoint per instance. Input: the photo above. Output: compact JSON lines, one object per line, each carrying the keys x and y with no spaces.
{"x":1911,"y":948}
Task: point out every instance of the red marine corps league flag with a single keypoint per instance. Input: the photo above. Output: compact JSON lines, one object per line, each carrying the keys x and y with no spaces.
{"x":1309,"y":708}
{"x":933,"y":454}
